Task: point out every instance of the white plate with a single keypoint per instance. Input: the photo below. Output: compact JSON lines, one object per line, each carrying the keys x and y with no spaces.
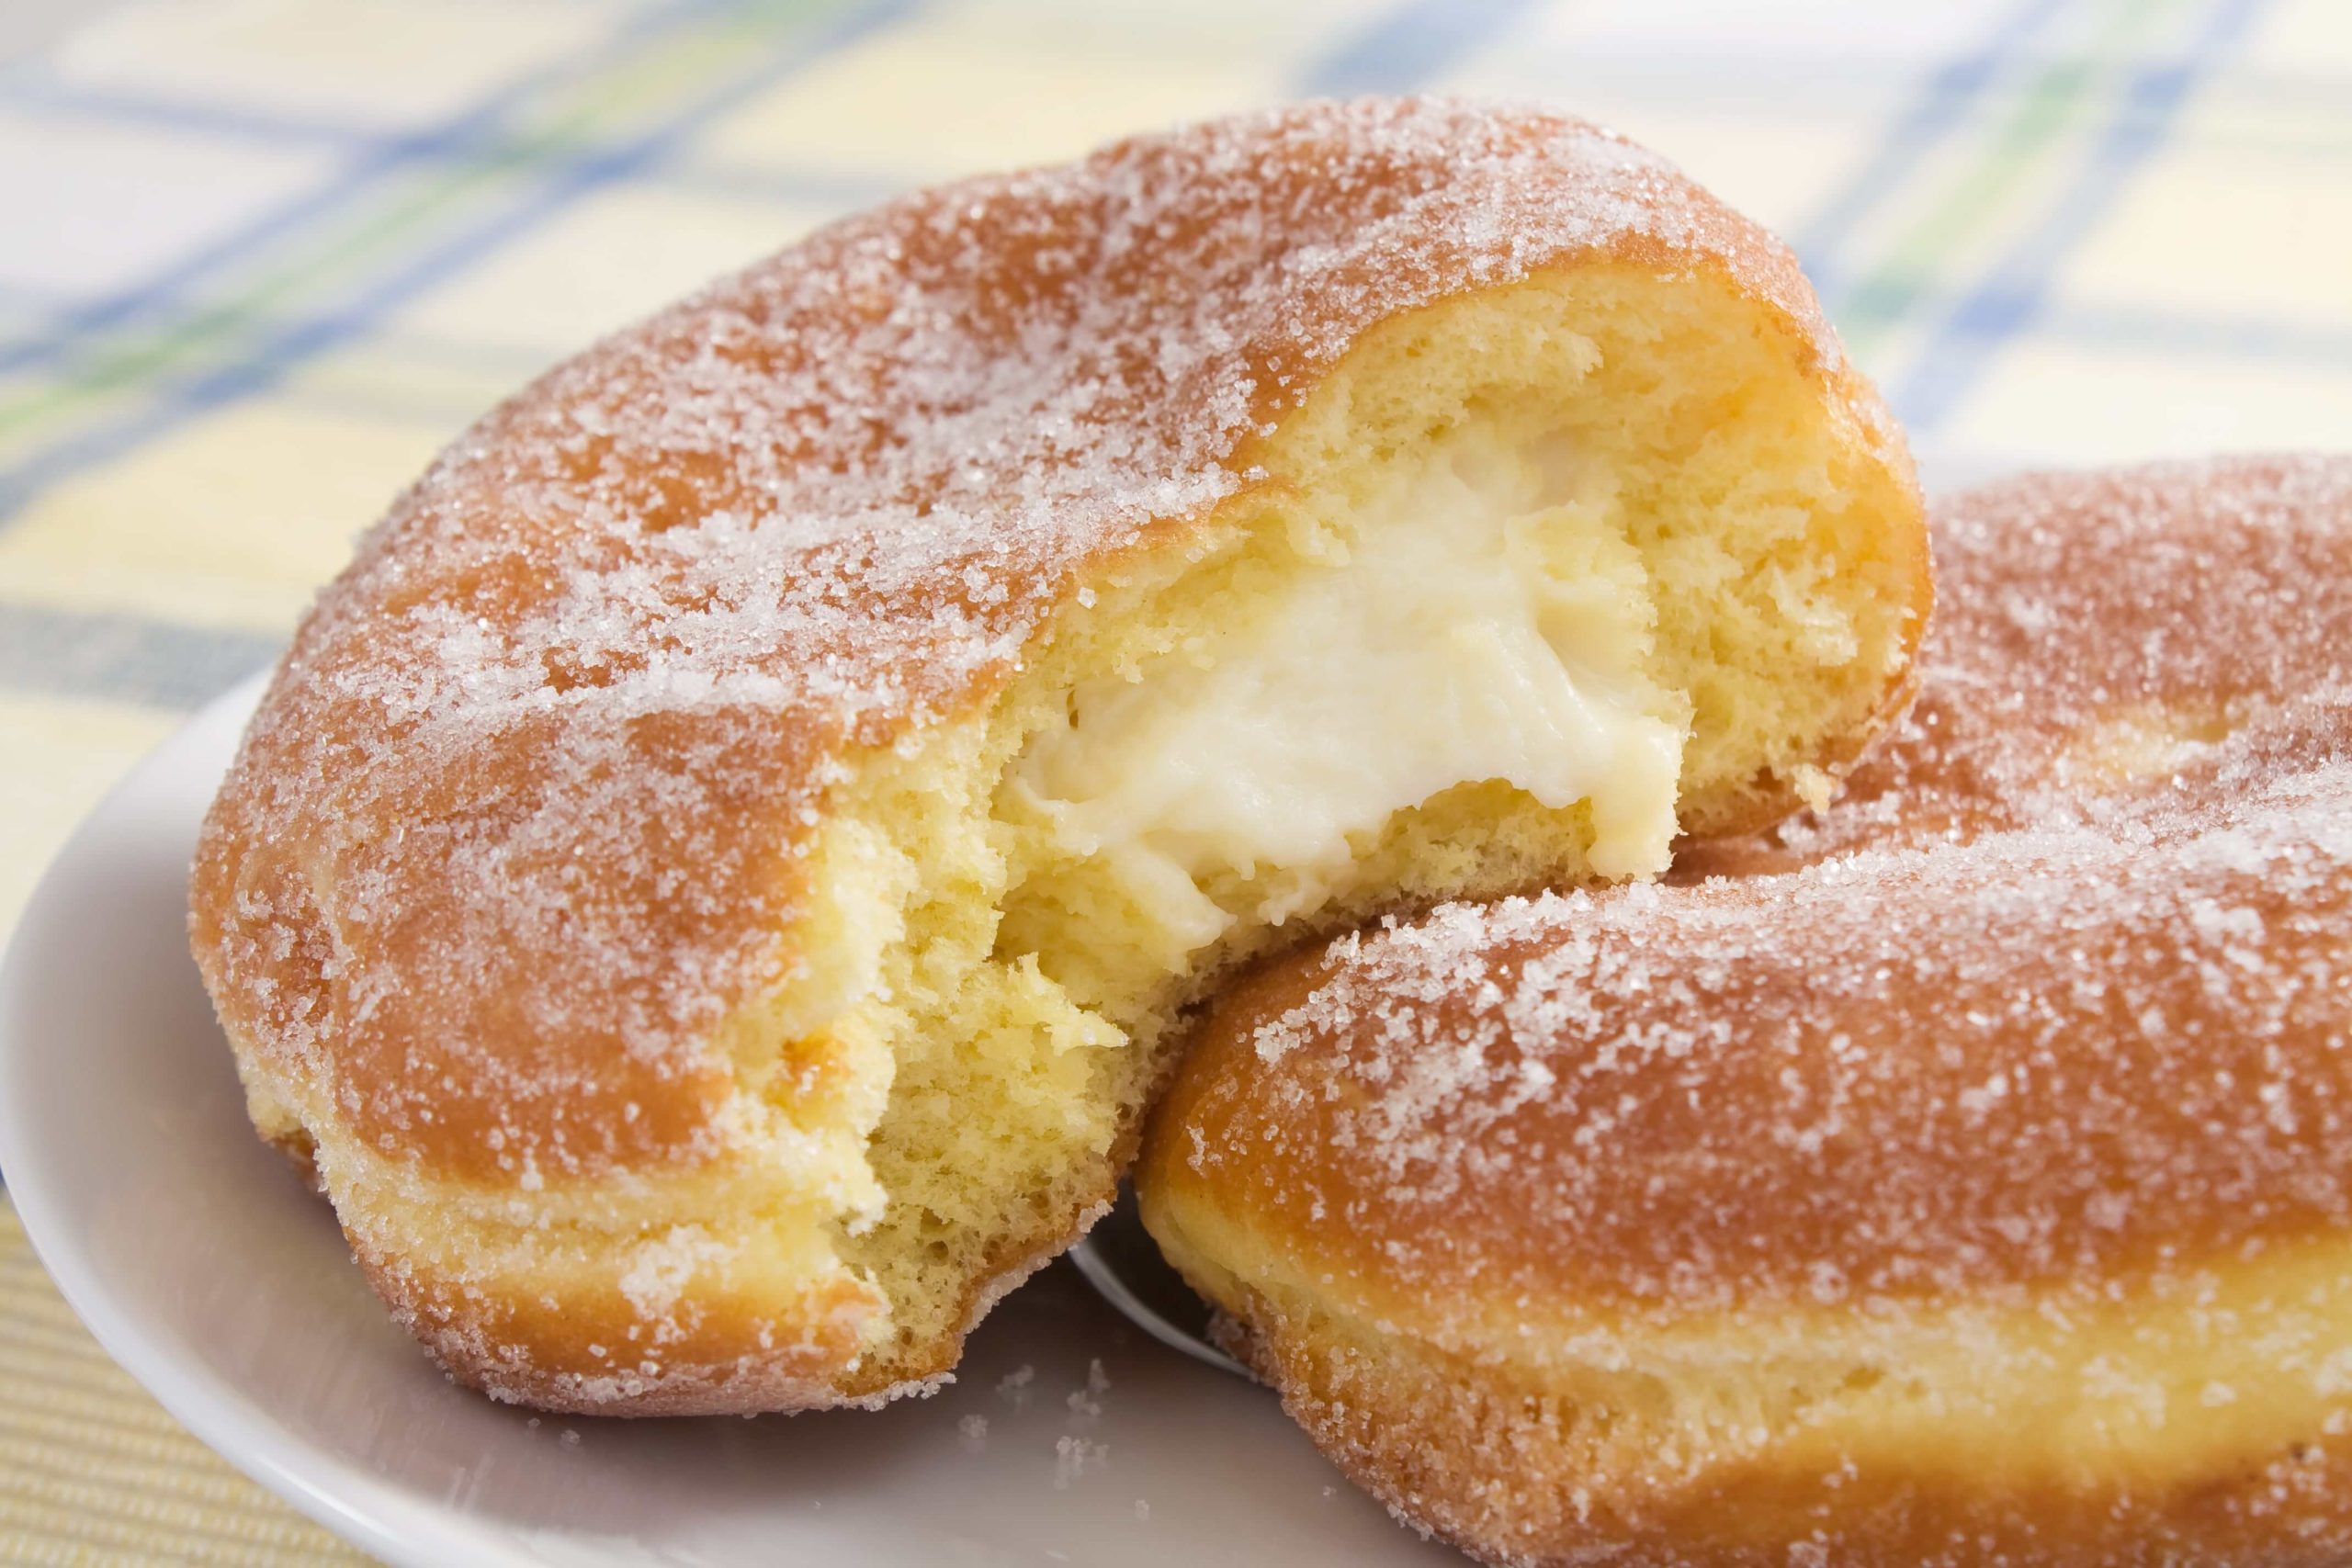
{"x":207,"y":1268}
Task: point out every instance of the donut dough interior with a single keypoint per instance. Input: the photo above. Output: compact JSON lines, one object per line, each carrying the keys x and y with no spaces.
{"x":1535,"y":580}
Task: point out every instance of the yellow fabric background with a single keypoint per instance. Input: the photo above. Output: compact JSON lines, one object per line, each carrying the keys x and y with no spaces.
{"x":265,"y":256}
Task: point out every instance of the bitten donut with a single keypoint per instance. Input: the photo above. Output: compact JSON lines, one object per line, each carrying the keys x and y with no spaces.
{"x":1961,"y":1176}
{"x":709,"y":888}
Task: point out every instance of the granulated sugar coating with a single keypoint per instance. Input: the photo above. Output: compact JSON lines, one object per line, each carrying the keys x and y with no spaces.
{"x":547,"y":746}
{"x":2060,"y":989}
{"x":698,"y":894}
{"x":1961,"y":1177}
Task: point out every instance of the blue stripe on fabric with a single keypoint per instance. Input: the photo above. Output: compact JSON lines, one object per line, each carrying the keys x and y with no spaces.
{"x":377,"y":158}
{"x":1940,"y":109}
{"x":1964,"y":345}
{"x":119,"y":658}
{"x":1408,"y":47}
{"x":279,"y":352}
{"x":829,"y":187}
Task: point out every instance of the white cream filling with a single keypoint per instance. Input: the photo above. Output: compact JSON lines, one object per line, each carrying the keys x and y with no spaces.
{"x":1471,"y":631}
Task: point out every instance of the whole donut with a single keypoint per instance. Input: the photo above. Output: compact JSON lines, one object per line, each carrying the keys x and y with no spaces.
{"x":709,"y":889}
{"x":1960,"y":1176}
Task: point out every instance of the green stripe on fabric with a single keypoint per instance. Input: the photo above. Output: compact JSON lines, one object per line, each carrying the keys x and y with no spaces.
{"x":336,"y":260}
{"x":1913,"y":268}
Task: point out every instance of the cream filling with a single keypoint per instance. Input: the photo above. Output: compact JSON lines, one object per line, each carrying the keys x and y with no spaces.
{"x":1470,"y":629}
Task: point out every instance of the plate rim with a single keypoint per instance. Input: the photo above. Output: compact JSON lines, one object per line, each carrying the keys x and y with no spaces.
{"x":347,"y":1502}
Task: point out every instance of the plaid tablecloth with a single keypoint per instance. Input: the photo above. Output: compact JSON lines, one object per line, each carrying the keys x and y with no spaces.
{"x":259,"y":258}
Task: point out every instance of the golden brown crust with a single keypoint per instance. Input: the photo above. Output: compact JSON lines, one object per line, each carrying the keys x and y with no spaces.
{"x":637,"y":620}
{"x":1454,"y":1455}
{"x":589,"y":1355}
{"x":2045,"y":1017}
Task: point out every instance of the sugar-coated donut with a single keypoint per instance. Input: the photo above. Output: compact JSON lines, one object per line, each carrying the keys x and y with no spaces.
{"x":1961,"y":1176}
{"x":709,"y":887}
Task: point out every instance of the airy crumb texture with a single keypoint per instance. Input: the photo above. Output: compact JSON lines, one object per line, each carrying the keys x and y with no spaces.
{"x":676,"y":891}
{"x":1960,"y":1175}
